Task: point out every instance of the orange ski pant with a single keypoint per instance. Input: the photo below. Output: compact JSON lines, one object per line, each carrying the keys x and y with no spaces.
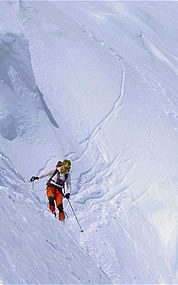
{"x":56,"y":194}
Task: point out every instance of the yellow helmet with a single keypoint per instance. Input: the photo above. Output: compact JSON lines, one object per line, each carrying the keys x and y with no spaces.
{"x":67,"y":164}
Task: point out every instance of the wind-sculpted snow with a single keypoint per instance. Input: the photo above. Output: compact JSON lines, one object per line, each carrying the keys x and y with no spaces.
{"x":94,"y":82}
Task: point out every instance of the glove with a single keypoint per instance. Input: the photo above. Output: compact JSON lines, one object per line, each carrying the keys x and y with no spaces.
{"x":33,"y":178}
{"x":67,"y":196}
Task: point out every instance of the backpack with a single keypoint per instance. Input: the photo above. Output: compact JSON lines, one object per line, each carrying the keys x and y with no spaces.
{"x":59,"y":181}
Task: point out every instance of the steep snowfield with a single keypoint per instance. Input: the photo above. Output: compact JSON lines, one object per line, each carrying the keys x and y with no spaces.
{"x":95,"y":82}
{"x":36,"y":248}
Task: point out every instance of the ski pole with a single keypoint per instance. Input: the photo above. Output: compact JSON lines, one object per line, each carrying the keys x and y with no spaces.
{"x":75,"y":216}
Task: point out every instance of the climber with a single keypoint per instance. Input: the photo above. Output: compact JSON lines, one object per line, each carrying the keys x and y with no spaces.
{"x":58,"y":186}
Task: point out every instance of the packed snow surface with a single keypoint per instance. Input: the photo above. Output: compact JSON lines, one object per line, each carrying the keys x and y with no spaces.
{"x":94,"y":82}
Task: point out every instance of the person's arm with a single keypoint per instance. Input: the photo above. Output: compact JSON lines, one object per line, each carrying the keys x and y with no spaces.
{"x":49,"y":173}
{"x":68,"y":187}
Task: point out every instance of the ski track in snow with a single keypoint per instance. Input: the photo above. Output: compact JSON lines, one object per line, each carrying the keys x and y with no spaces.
{"x":99,"y":128}
{"x":87,"y":192}
{"x":103,"y":174}
{"x":120,"y":99}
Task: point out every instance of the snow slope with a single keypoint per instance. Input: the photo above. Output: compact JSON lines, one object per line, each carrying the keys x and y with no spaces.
{"x":95,"y":82}
{"x":35,"y":248}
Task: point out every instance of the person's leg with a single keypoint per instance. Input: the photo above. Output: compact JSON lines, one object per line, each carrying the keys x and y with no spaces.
{"x":51,"y":197}
{"x":59,"y":204}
